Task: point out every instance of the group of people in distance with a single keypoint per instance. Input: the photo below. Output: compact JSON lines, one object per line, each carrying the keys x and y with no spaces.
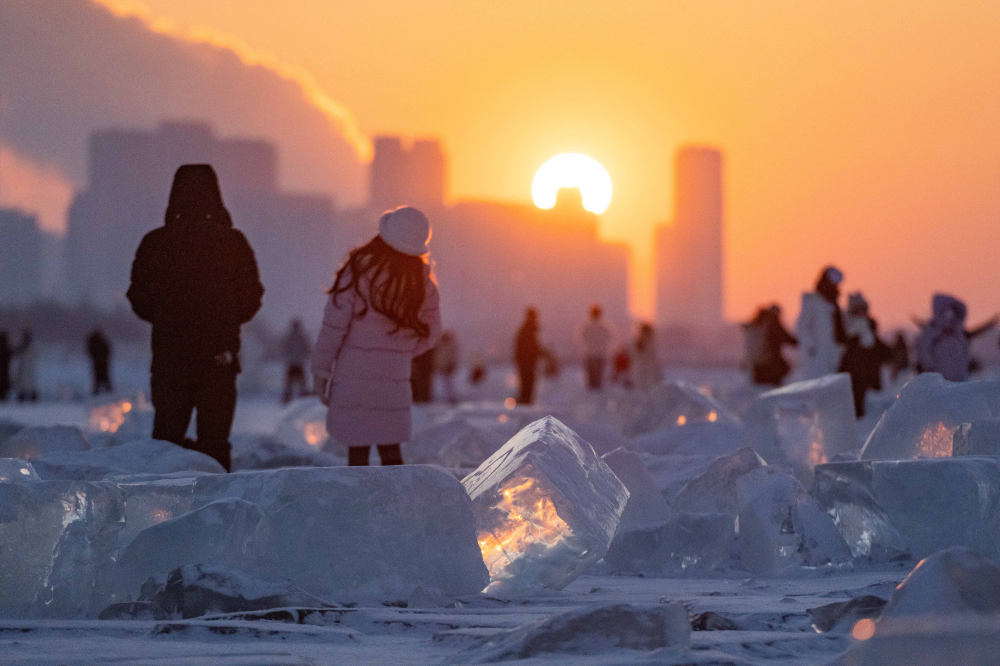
{"x":633,"y":366}
{"x":830,"y":340}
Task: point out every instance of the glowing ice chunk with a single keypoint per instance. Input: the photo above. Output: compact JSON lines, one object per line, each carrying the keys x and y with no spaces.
{"x":923,"y":420}
{"x":546,"y":507}
{"x":803,"y":424}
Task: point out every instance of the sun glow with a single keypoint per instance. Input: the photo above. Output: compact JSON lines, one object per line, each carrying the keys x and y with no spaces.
{"x":572,"y":170}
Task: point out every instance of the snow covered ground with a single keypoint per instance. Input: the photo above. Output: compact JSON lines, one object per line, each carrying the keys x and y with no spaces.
{"x":722,"y":555}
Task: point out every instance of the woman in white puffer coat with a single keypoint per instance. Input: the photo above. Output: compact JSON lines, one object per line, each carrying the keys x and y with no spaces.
{"x":383,"y":310}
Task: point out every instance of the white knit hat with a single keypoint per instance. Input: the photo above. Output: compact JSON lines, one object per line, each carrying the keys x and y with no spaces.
{"x":405,"y":229}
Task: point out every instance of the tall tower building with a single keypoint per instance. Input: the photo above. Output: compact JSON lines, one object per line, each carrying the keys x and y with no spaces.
{"x":413,"y":175}
{"x":20,"y":257}
{"x":688,"y":253}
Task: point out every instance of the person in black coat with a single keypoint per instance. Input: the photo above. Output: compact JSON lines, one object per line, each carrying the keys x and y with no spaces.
{"x":195,"y":280}
{"x":99,"y":350}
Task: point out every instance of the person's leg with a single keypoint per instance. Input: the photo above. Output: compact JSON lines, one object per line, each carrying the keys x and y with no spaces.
{"x":593,"y":367}
{"x":390,"y":454}
{"x":215,"y":401}
{"x":298,"y":387}
{"x":357,"y":456}
{"x":172,"y":404}
{"x":527,"y":385}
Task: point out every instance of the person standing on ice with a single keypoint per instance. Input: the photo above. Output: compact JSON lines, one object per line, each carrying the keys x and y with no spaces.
{"x":865,"y":352}
{"x":527,"y":352}
{"x":764,"y":337}
{"x":820,"y":327}
{"x":99,"y":351}
{"x":446,"y":363}
{"x":943,"y":344}
{"x":195,"y":280}
{"x":645,"y":362}
{"x":595,"y":337}
{"x":382,"y":312}
{"x":295,"y":351}
{"x":26,"y":370}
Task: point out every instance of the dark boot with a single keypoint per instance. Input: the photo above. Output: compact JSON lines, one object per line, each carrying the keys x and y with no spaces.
{"x":390,"y":454}
{"x":357,"y":456}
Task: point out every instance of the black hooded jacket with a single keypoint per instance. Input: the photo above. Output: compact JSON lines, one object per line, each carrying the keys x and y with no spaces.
{"x":195,"y":280}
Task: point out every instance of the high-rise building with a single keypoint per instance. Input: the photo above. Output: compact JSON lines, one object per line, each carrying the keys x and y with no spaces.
{"x":130,"y":173}
{"x":21,"y":258}
{"x":689,"y":250}
{"x":413,"y":175}
{"x":495,"y":258}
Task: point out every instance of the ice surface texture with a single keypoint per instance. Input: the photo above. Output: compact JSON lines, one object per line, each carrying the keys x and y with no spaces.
{"x":149,"y":456}
{"x":803,"y":424}
{"x":342,"y":533}
{"x":339,"y":533}
{"x":919,"y":506}
{"x":57,"y":541}
{"x":780,"y":525}
{"x":36,"y":441}
{"x":978,"y":438}
{"x":546,"y":507}
{"x":946,"y":611}
{"x":588,"y":631}
{"x":923,"y":420}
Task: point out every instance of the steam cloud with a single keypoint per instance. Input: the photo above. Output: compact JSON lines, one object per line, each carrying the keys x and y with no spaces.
{"x":70,"y":68}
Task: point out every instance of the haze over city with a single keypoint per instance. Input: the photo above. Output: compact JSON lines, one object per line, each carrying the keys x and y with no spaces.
{"x":860,"y":134}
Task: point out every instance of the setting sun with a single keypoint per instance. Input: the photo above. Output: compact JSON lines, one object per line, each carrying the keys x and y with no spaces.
{"x":572,"y":170}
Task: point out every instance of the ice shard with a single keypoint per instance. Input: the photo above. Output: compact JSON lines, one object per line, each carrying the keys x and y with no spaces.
{"x":57,"y":541}
{"x":780,"y":526}
{"x":803,"y":424}
{"x":979,"y":438}
{"x":673,"y":404}
{"x":931,"y":503}
{"x":923,"y":420}
{"x":546,"y":507}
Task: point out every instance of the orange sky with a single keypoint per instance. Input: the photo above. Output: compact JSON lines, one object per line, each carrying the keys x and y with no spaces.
{"x":858,"y":133}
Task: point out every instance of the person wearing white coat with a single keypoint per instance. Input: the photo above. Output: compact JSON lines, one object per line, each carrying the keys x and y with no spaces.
{"x":820,"y":328}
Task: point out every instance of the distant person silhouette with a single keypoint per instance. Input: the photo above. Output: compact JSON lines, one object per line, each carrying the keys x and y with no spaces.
{"x":99,"y":351}
{"x":26,"y":368}
{"x":6,"y":356}
{"x":195,"y":280}
{"x":943,"y":343}
{"x":383,"y":310}
{"x":820,"y":327}
{"x":647,"y":371}
{"x":596,"y":337}
{"x":295,"y":350}
{"x":864,"y":353}
{"x":764,"y":338}
{"x":446,"y":363}
{"x":621,"y":367}
{"x":527,"y":352}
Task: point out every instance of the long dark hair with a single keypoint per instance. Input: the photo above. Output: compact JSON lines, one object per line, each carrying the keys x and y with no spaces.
{"x":395,"y":284}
